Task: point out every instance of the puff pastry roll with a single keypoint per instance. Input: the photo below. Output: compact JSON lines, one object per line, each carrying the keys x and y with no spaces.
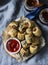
{"x":28,"y":21}
{"x":36,"y":41}
{"x":29,"y":30}
{"x":13,"y":25}
{"x":24,"y":44}
{"x":13,"y":33}
{"x":24,"y":52}
{"x":21,"y":36}
{"x":28,"y":38}
{"x":33,"y":49}
{"x":36,"y":31}
{"x":23,"y":26}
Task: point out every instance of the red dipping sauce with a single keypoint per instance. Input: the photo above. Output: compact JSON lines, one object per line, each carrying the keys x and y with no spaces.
{"x":13,"y":45}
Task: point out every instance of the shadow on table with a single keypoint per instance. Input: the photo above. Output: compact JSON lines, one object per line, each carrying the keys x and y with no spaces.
{"x":41,"y":53}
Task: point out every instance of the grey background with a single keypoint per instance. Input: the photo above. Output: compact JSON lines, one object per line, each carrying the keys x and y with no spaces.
{"x":9,"y":12}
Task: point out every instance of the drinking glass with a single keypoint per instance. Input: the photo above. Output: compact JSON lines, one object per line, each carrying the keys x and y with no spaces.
{"x":31,"y":4}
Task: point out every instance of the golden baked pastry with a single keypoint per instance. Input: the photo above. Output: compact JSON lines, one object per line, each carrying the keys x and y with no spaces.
{"x":29,"y":30}
{"x":21,"y":36}
{"x":24,"y":52}
{"x":33,"y":49}
{"x":28,"y":38}
{"x":24,"y":44}
{"x":36,"y":31}
{"x":13,"y":33}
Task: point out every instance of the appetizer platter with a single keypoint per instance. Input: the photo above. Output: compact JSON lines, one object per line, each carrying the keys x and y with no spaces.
{"x":22,"y":39}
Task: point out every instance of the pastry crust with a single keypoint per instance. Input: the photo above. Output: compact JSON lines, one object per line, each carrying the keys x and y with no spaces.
{"x":13,"y":33}
{"x":24,"y":44}
{"x":21,"y":36}
{"x":29,"y":30}
{"x":36,"y":31}
{"x":23,"y":52}
{"x":33,"y":49}
{"x":28,"y":38}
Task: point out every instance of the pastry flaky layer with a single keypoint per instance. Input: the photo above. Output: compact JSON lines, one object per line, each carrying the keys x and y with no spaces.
{"x":29,"y":35}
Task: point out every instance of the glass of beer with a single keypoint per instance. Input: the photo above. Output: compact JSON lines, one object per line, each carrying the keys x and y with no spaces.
{"x":32,"y":4}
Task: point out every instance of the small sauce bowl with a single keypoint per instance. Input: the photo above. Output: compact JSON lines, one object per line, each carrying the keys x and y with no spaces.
{"x":12,"y":45}
{"x":43,"y":16}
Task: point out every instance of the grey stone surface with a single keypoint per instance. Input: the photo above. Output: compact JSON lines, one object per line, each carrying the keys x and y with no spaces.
{"x":13,"y":10}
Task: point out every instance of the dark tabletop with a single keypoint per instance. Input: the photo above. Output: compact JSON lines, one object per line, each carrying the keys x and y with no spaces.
{"x":12,"y":10}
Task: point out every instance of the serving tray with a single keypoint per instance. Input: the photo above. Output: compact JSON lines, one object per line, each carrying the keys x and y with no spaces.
{"x":17,"y":56}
